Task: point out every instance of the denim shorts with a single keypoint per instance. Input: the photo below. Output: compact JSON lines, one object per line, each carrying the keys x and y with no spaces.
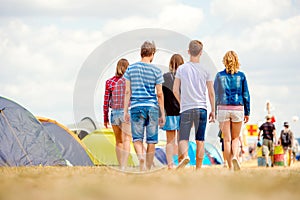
{"x":172,"y":123}
{"x":117,"y":117}
{"x":144,"y":117}
{"x":196,"y":116}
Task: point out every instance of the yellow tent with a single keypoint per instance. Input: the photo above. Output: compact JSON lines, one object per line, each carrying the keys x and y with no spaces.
{"x":102,"y":145}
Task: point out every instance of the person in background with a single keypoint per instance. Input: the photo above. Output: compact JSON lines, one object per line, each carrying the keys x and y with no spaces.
{"x":192,"y":80}
{"x":233,"y":106}
{"x":286,"y":140}
{"x":144,"y":92}
{"x":114,"y":99}
{"x":172,"y":108}
{"x":269,"y":139}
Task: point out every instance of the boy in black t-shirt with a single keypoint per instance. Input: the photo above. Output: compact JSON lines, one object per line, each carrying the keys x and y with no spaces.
{"x":269,"y":137}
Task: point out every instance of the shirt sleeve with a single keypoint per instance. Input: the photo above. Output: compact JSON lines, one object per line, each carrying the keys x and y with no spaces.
{"x":246,"y":97}
{"x":178,"y":73}
{"x":216,"y":88}
{"x":127,"y":74}
{"x":106,"y":101}
{"x":160,"y":78}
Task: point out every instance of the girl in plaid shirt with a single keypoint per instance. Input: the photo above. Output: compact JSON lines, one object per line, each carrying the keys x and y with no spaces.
{"x":114,"y":99}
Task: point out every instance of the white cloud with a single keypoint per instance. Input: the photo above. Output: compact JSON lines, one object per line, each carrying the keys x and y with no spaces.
{"x":250,"y":10}
{"x":272,"y":37}
{"x":41,"y":64}
{"x":100,"y":8}
{"x":177,"y":17}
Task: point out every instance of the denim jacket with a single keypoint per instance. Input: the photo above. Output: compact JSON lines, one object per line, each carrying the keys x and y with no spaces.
{"x":232,"y":89}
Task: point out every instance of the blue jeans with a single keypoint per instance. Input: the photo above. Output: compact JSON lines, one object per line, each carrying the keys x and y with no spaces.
{"x":196,"y":116}
{"x":117,"y":117}
{"x":141,"y":118}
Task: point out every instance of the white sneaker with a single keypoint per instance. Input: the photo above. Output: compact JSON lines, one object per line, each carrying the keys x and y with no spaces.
{"x":236,"y":164}
{"x":183,"y":163}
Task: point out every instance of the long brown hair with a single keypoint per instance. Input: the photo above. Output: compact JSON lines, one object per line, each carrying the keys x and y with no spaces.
{"x":175,"y":61}
{"x":121,"y":67}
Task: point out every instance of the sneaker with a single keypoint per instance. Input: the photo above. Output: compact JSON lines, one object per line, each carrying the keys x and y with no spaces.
{"x":236,"y":164}
{"x":183,"y":163}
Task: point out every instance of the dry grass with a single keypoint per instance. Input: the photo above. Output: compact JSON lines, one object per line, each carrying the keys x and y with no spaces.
{"x":43,"y":183}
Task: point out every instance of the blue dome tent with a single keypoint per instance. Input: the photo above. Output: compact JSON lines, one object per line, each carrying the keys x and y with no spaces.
{"x":23,"y":140}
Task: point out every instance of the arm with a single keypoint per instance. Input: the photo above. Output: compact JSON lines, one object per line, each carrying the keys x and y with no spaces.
{"x":126,"y":101}
{"x":275,"y":137}
{"x":211,"y":95}
{"x":279,"y":139}
{"x":176,"y":89}
{"x":246,"y":99}
{"x":292,"y":138}
{"x":106,"y":104}
{"x":160,"y":99}
{"x":258,"y":136}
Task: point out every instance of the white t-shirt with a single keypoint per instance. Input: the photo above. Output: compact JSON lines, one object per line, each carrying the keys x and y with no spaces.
{"x":193,"y":78}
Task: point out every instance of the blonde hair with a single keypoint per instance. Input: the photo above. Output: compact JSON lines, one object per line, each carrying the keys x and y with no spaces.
{"x":231,"y":62}
{"x":175,"y":61}
{"x":121,"y":67}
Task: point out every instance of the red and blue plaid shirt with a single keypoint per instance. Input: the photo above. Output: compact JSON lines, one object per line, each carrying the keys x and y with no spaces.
{"x":114,"y":95}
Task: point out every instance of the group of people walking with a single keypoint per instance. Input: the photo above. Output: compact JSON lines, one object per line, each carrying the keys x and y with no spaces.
{"x":175,"y":101}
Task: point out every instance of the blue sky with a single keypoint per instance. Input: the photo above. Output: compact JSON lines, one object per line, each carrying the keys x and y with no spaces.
{"x":43,"y":45}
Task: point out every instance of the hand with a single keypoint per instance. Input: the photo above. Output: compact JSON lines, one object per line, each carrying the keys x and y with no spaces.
{"x":161,"y":121}
{"x":106,"y":124}
{"x":242,"y":150}
{"x":126,"y":117}
{"x":212,"y":117}
{"x":246,"y":119}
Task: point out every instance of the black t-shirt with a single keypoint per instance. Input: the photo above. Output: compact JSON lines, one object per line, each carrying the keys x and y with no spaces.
{"x":267,"y":128}
{"x":171,"y":104}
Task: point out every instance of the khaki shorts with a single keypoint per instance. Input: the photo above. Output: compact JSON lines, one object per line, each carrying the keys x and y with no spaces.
{"x":267,"y":147}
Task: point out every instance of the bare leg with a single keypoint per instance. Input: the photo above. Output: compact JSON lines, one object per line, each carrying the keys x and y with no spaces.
{"x":225,"y":128}
{"x":126,"y":136}
{"x":199,"y":154}
{"x":119,"y":143}
{"x":150,"y":155}
{"x":290,"y":157}
{"x":225,"y":161}
{"x":183,"y":148}
{"x":139,"y":149}
{"x":235,"y":134}
{"x":170,"y":147}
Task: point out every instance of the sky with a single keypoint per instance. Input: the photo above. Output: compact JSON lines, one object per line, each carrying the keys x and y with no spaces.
{"x":44,"y":44}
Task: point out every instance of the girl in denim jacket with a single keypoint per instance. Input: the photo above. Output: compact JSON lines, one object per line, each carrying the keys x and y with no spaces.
{"x":233,"y":106}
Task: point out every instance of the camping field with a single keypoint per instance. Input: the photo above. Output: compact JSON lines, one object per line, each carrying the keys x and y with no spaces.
{"x":77,"y":183}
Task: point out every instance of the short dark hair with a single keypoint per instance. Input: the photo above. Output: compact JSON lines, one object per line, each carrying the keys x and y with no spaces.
{"x":147,"y":49}
{"x":195,"y":47}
